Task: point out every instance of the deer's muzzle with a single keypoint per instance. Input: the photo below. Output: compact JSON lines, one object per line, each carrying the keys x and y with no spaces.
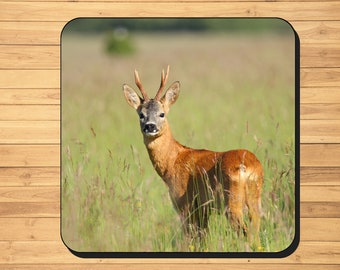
{"x":150,"y":129}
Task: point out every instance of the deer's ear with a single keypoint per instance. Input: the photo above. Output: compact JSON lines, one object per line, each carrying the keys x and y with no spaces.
{"x":171,"y":94}
{"x":132,"y":98}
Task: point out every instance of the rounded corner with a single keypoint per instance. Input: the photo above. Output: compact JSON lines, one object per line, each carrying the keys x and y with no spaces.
{"x":68,"y":25}
{"x":68,"y":246}
{"x":289,"y":250}
{"x":291,"y":27}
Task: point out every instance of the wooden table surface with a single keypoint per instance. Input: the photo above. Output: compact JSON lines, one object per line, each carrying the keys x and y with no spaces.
{"x":30,"y":134}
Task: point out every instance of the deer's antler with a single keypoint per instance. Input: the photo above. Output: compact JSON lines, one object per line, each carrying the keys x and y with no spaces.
{"x":164,"y":78}
{"x":140,"y":86}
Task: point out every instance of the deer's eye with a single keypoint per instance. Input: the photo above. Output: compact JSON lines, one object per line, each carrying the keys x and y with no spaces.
{"x":141,"y":116}
{"x":162,"y":115}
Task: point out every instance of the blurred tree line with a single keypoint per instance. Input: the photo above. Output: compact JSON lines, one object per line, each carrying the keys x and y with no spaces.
{"x":119,"y":41}
{"x":99,"y":25}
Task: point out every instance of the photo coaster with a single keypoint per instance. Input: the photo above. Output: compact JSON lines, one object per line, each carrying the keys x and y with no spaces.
{"x":141,"y":101}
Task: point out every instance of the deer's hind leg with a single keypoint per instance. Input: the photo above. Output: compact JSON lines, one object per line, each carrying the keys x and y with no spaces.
{"x":253,"y":202}
{"x":235,"y":200}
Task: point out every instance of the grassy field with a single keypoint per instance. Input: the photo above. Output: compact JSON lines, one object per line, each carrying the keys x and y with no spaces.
{"x":236,"y":92}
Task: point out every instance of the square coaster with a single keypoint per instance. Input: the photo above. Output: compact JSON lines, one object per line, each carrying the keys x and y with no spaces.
{"x":141,"y":101}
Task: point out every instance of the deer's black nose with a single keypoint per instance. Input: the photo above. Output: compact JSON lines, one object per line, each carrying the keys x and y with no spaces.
{"x":150,"y":128}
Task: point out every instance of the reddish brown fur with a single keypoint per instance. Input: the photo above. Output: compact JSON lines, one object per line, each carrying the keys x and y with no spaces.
{"x":197,"y":178}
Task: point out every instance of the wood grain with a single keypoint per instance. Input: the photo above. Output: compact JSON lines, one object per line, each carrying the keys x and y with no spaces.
{"x":321,"y":95}
{"x":30,"y":134}
{"x":30,"y":96}
{"x":45,"y":11}
{"x":53,"y":252}
{"x":320,"y":131}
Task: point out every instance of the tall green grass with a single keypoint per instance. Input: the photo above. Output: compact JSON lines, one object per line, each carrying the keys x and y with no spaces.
{"x":236,"y":92}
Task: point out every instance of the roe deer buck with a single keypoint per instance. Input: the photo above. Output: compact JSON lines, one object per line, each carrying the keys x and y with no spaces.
{"x":195,"y":178}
